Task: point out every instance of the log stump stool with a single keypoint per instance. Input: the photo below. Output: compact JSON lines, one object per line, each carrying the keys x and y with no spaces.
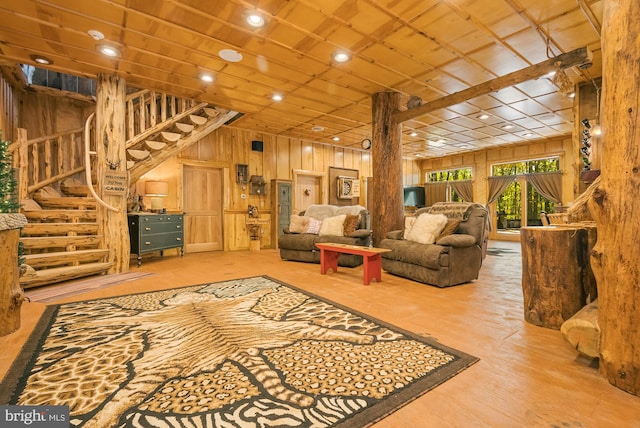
{"x":556,"y":275}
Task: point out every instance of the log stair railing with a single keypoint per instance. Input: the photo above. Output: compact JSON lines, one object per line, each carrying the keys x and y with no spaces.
{"x":61,"y":240}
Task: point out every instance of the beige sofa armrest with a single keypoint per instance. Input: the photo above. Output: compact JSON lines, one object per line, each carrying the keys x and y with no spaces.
{"x":395,"y":234}
{"x":457,"y":240}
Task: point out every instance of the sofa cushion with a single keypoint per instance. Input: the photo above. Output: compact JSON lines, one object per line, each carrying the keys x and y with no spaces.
{"x":298,"y":224}
{"x":320,"y":211}
{"x":297,"y":241}
{"x":450,"y":228}
{"x":350,"y":209}
{"x":350,"y":224}
{"x":413,"y":252}
{"x":314,"y":226}
{"x":333,"y":226}
{"x":427,"y":228}
{"x":408,"y":224}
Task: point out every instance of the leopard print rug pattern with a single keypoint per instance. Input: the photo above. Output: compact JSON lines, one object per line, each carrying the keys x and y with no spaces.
{"x":239,"y":353}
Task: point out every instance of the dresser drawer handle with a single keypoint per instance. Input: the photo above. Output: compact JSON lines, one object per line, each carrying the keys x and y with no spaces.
{"x":178,"y":227}
{"x":147,"y":243}
{"x":178,"y":239}
{"x":147,"y":228}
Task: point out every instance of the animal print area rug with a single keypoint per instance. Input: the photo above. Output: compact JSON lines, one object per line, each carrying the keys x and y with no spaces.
{"x":251,"y":352}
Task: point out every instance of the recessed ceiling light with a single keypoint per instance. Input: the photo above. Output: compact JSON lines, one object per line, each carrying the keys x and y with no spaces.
{"x":95,"y":34}
{"x":341,"y":57}
{"x":230,"y":55}
{"x":438,"y":143}
{"x":572,"y":95}
{"x":483,"y":116}
{"x":255,"y":20}
{"x":336,"y":138}
{"x":277,"y":97}
{"x":317,"y":128}
{"x":527,"y":134}
{"x":507,"y":126}
{"x":41,"y":59}
{"x":109,"y":50}
{"x":414,"y":134}
{"x":206,"y":77}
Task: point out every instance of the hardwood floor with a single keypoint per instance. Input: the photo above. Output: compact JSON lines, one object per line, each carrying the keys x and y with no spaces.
{"x":527,"y":376}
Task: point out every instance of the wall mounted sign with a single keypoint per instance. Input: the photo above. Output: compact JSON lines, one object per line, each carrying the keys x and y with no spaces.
{"x":115,"y":183}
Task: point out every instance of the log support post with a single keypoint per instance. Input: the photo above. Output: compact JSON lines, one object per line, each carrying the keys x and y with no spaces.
{"x":387,"y":212}
{"x":11,"y":294}
{"x":616,"y":202}
{"x":111,"y":156}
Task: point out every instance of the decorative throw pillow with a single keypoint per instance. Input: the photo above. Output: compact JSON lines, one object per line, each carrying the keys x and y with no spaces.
{"x":449,"y":229}
{"x":314,"y":226}
{"x":298,"y":224}
{"x":350,"y":224}
{"x":427,"y":228}
{"x":408,"y":224}
{"x":333,"y":226}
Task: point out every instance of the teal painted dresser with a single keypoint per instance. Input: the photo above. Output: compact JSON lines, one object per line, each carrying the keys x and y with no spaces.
{"x":155,"y":232}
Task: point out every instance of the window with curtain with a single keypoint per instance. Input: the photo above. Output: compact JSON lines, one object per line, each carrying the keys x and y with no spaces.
{"x":454,"y":185}
{"x":523,"y":189}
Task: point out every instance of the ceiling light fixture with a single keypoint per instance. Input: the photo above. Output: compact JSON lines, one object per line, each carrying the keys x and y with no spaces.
{"x":230,"y":55}
{"x":109,"y":50}
{"x":317,"y":128}
{"x":483,"y":116}
{"x":206,"y":77}
{"x":41,"y":59}
{"x":507,"y":126}
{"x":255,"y":20}
{"x":414,"y":134}
{"x":527,"y":134}
{"x":341,"y":57}
{"x":336,"y":138}
{"x":277,"y":97}
{"x":95,"y":34}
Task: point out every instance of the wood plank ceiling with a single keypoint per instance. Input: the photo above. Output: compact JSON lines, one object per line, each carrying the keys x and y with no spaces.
{"x":424,"y":48}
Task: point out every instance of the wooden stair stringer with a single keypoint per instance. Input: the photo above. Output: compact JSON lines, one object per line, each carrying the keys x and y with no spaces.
{"x":142,"y":167}
{"x":64,"y":273}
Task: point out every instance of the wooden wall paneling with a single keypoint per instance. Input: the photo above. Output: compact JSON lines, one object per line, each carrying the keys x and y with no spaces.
{"x":347,"y":158}
{"x":284,"y":170}
{"x":295,"y":153}
{"x":9,"y":114}
{"x":318,"y":157}
{"x":307,"y":155}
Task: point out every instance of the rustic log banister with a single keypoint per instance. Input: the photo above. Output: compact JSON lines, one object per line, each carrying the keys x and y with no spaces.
{"x":87,"y":162}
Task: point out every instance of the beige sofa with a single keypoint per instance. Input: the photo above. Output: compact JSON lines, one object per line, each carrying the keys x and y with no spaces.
{"x":453,"y":259}
{"x":297,"y":244}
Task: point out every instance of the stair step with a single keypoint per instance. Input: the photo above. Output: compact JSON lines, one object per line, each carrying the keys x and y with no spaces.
{"x":170,"y":137}
{"x":69,"y":202}
{"x":59,"y":215}
{"x":185,"y":128}
{"x":155,"y":145}
{"x":65,"y":273}
{"x":211,"y":112}
{"x":130,"y":164}
{"x":84,"y":228}
{"x":42,"y":242}
{"x":64,"y":257}
{"x":197,"y":120}
{"x":74,"y":188}
{"x":138,"y":154}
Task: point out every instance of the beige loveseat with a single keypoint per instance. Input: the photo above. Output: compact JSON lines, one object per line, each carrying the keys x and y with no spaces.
{"x":325,"y":223}
{"x":454,"y":258}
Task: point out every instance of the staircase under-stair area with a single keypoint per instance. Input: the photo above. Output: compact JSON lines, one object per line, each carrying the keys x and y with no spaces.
{"x":61,"y":240}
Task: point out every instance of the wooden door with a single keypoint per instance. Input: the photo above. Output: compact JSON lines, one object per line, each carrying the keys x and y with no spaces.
{"x":284,"y":207}
{"x":308,"y":191}
{"x":202,"y":196}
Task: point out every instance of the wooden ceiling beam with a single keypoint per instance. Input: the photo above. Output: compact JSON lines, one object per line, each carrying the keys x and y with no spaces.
{"x":579,"y":57}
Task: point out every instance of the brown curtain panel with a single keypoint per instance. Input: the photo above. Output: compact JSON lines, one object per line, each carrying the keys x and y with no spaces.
{"x":464,"y":188}
{"x":497,"y":185}
{"x":548,"y":184}
{"x":435,"y":192}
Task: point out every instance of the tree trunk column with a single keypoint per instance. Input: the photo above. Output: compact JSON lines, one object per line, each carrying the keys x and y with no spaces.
{"x":111,"y":156}
{"x":387,"y":212}
{"x":615,"y":203}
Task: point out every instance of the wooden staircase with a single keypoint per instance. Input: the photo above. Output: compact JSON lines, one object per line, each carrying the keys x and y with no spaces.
{"x":61,"y":240}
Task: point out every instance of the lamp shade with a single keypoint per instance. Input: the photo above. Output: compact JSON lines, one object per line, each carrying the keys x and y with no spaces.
{"x":156,"y":188}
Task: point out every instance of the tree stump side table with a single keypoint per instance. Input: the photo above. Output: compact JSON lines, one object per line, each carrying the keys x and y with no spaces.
{"x":556,"y":275}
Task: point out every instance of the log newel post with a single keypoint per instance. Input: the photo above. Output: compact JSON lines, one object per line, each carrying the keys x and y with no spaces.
{"x":387,"y":212}
{"x":615,"y":205}
{"x":111,"y":156}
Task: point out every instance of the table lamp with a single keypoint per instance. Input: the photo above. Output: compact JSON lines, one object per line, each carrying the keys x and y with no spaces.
{"x":156,"y":190}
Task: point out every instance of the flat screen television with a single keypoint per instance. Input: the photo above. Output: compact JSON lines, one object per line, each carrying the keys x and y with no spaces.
{"x":414,"y":196}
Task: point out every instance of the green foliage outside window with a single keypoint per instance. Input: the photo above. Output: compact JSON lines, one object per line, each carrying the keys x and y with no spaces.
{"x":509,"y":204}
{"x":451,"y":175}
